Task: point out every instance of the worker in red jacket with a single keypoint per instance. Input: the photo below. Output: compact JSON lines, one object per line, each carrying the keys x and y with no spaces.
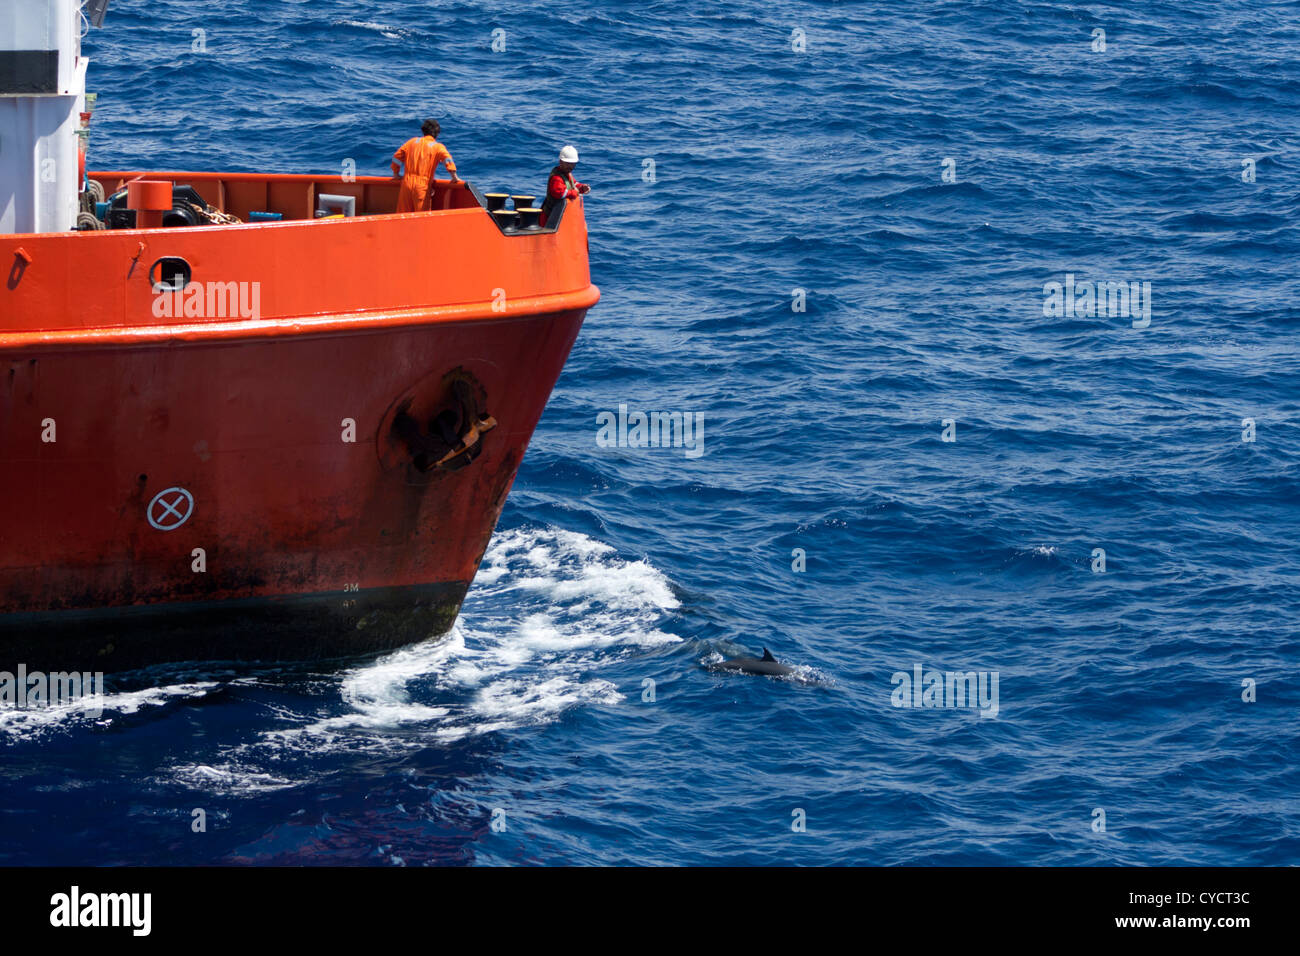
{"x":421,"y":157}
{"x":562,"y":185}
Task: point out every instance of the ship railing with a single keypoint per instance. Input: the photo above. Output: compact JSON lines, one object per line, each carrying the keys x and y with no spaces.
{"x":293,"y":196}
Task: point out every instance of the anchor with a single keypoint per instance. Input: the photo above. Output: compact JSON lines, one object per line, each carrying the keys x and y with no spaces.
{"x":453,"y":438}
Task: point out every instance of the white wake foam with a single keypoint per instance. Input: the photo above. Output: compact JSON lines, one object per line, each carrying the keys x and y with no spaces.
{"x":101,"y":709}
{"x":393,"y":33}
{"x":549,"y":609}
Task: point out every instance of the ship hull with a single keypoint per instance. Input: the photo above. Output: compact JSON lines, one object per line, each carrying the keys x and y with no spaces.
{"x":296,"y":627}
{"x":316,"y":480}
{"x":300,"y":524}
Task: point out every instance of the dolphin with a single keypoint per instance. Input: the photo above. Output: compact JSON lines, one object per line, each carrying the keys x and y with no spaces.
{"x":767,"y":664}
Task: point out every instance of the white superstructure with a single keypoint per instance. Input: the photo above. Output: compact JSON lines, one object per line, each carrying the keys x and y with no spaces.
{"x":42,"y":96}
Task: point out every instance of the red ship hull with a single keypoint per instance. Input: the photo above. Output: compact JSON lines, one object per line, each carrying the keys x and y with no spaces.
{"x":218,"y":487}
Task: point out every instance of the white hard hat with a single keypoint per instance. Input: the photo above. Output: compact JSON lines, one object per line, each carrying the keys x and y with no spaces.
{"x":569,"y":155}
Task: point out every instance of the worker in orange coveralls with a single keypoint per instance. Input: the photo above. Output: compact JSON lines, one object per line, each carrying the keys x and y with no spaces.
{"x":421,"y":156}
{"x":561,"y":185}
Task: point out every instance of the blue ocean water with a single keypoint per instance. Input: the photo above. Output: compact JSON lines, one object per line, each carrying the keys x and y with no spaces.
{"x":827,"y":229}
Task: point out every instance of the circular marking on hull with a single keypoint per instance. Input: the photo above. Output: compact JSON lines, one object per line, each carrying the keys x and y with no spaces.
{"x":170,"y":509}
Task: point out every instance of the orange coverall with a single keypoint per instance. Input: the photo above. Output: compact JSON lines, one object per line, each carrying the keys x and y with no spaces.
{"x":420,"y":156}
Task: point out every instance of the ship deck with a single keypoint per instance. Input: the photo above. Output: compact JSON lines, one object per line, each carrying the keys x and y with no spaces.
{"x":454,"y":263}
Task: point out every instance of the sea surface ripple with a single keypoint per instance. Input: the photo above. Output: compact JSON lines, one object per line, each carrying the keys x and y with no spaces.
{"x":778,"y":169}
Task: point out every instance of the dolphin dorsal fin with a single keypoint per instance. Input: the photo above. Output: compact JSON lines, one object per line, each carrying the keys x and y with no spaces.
{"x":767,"y":655}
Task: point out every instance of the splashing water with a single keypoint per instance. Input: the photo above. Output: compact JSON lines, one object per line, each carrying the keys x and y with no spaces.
{"x":549,"y":609}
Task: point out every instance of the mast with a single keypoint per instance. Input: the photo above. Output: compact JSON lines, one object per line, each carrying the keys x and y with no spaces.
{"x":42,"y":97}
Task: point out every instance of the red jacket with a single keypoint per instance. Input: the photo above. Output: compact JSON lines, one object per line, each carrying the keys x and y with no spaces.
{"x":562,"y":187}
{"x":559,"y":187}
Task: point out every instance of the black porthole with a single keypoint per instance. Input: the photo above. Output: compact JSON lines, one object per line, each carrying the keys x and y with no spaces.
{"x":170,"y":274}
